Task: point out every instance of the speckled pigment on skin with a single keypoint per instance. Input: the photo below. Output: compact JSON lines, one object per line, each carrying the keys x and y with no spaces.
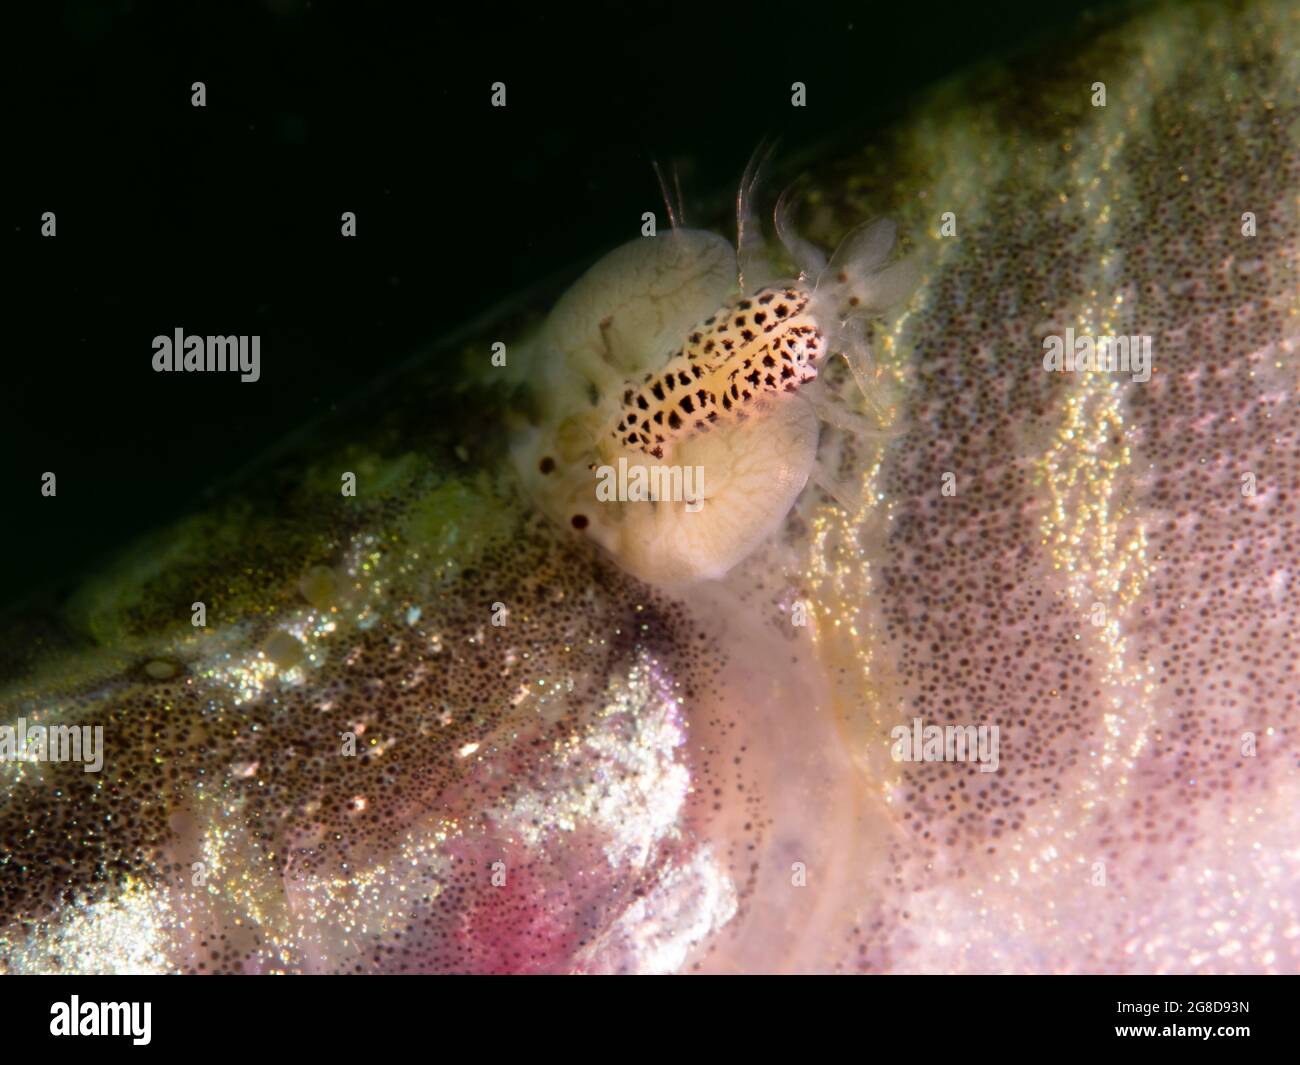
{"x":650,"y":773}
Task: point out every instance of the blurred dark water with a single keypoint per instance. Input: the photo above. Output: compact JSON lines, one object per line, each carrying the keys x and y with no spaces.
{"x":226,"y":219}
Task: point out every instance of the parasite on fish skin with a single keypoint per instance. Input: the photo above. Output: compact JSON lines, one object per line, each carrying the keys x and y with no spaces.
{"x":676,"y":353}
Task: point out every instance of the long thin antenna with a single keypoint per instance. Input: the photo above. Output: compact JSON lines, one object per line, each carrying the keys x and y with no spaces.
{"x":781,"y":216}
{"x":744,"y":196}
{"x":807,"y":257}
{"x":663,"y":189}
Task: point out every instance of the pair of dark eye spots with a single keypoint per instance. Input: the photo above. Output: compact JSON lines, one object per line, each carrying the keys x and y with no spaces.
{"x":547,"y":465}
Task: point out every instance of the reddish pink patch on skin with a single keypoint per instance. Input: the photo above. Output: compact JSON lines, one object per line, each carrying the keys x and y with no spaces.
{"x":521,"y":923}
